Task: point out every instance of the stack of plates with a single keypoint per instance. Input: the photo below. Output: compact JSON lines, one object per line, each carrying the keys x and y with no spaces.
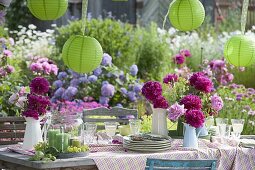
{"x":146,"y":145}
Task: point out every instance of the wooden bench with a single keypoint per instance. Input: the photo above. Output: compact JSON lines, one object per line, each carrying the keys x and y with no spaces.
{"x":114,"y":114}
{"x":12,"y":130}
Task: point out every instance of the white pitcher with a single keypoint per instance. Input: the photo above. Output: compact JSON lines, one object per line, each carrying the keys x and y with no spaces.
{"x":33,"y":133}
{"x":159,"y":122}
{"x":190,"y":139}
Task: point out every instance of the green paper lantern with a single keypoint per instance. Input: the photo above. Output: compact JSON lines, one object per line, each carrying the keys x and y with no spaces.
{"x":240,"y":51}
{"x":186,"y":15}
{"x":82,"y":54}
{"x":47,"y":9}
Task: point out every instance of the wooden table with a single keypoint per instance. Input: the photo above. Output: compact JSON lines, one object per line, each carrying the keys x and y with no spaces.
{"x":15,"y":161}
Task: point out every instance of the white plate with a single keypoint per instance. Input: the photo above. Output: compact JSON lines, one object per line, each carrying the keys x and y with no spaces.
{"x":127,"y":139}
{"x":147,"y":145}
{"x":147,"y":149}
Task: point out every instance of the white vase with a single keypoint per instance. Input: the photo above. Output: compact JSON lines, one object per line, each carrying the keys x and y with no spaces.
{"x":190,"y":137}
{"x":33,"y":133}
{"x":159,"y":122}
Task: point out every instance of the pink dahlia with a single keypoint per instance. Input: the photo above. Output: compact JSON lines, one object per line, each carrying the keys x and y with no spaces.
{"x":185,"y":53}
{"x":160,"y":102}
{"x":194,"y":78}
{"x":191,"y":102}
{"x":179,"y":59}
{"x":152,"y":90}
{"x":203,"y":84}
{"x":175,"y":111}
{"x":217,"y":102}
{"x":170,"y":78}
{"x":195,"y":118}
{"x":39,"y":85}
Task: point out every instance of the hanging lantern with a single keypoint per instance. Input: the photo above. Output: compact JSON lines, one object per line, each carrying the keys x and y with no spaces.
{"x":82,"y":54}
{"x":186,"y":15}
{"x":47,"y":9}
{"x":240,"y":51}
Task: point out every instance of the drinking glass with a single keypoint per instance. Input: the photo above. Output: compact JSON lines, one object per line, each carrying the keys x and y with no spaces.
{"x":135,"y":125}
{"x":221,"y":121}
{"x":88,"y":136}
{"x":237,"y":125}
{"x":91,"y":126}
{"x":209,"y":122}
{"x":110,"y":128}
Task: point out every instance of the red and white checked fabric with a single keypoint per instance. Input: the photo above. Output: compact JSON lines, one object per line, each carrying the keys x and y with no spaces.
{"x":229,"y":157}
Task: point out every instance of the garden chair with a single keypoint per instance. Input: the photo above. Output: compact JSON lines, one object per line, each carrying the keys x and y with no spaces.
{"x":102,"y":114}
{"x":163,"y":164}
{"x":12,"y":130}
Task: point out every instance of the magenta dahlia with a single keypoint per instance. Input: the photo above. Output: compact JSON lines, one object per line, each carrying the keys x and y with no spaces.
{"x":179,"y":59}
{"x":204,"y":84}
{"x":160,"y":102}
{"x":39,"y":85}
{"x":152,"y":90}
{"x":191,"y":102}
{"x":194,"y":77}
{"x":170,"y":78}
{"x":195,"y":118}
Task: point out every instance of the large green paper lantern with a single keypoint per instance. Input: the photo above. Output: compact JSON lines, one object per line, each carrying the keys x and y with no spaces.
{"x":186,"y":15}
{"x":47,"y":9}
{"x":82,"y":54}
{"x":240,"y":51}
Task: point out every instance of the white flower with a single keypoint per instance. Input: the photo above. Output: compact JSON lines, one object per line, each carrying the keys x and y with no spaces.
{"x":31,"y":26}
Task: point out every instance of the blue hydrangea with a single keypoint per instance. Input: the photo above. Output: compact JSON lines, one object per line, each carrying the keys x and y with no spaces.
{"x":57,"y":84}
{"x":107,"y":90}
{"x":137,"y":88}
{"x":69,"y":93}
{"x":132,"y":96}
{"x":92,"y":78}
{"x":133,"y":70}
{"x":109,"y":75}
{"x":98,"y":71}
{"x":123,"y":90}
{"x":119,"y":105}
{"x":107,"y":60}
{"x":104,"y":82}
{"x":122,"y":76}
{"x":62,"y":75}
{"x":104,"y":100}
{"x":58,"y":93}
{"x":75,"y":82}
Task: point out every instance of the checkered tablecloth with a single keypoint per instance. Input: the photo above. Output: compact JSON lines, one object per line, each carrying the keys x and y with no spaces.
{"x":229,"y":157}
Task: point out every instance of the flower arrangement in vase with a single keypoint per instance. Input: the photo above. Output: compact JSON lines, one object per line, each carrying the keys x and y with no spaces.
{"x":34,"y":106}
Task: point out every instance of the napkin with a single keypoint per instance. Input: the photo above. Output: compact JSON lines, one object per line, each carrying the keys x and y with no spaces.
{"x":249,"y":143}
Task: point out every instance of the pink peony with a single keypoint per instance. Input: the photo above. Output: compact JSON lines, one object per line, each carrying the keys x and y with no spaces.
{"x":151,"y":90}
{"x":176,"y":111}
{"x":195,"y":118}
{"x":194,"y":78}
{"x":204,"y":84}
{"x":191,"y":102}
{"x":217,"y":102}
{"x":179,"y":59}
{"x":39,"y":85}
{"x":160,"y":102}
{"x":170,"y":78}
{"x":185,"y":53}
{"x":7,"y":53}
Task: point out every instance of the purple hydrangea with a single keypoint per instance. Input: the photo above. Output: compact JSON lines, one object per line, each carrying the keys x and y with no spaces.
{"x":195,"y":118}
{"x":58,"y":84}
{"x":58,"y":93}
{"x":217,"y":102}
{"x":170,"y":78}
{"x":39,"y":85}
{"x":107,"y":60}
{"x":84,"y":79}
{"x":92,"y":78}
{"x":179,"y":59}
{"x":69,"y":93}
{"x":104,"y":82}
{"x":122,"y":76}
{"x":137,"y":88}
{"x":133,"y":70}
{"x":131,"y":96}
{"x":191,"y":102}
{"x":152,"y":90}
{"x":98,"y":71}
{"x":107,"y":90}
{"x":176,"y":111}
{"x":119,"y":105}
{"x":123,"y":90}
{"x":62,"y":75}
{"x":75,"y":82}
{"x":104,"y":100}
{"x":160,"y":102}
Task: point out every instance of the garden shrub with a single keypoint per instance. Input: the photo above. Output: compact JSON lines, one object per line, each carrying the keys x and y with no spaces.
{"x":116,"y":38}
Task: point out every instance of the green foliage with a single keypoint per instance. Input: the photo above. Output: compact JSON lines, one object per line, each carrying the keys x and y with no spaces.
{"x":153,"y":57}
{"x":18,"y":14}
{"x":116,"y":38}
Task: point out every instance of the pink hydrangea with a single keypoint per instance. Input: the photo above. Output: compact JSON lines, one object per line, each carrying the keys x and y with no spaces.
{"x":176,"y":111}
{"x":195,"y":118}
{"x":216,"y":102}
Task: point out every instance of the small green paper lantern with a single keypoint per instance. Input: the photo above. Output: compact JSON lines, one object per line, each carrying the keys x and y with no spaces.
{"x":240,"y":51}
{"x":82,"y":54}
{"x":186,"y":15}
{"x":47,"y":9}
